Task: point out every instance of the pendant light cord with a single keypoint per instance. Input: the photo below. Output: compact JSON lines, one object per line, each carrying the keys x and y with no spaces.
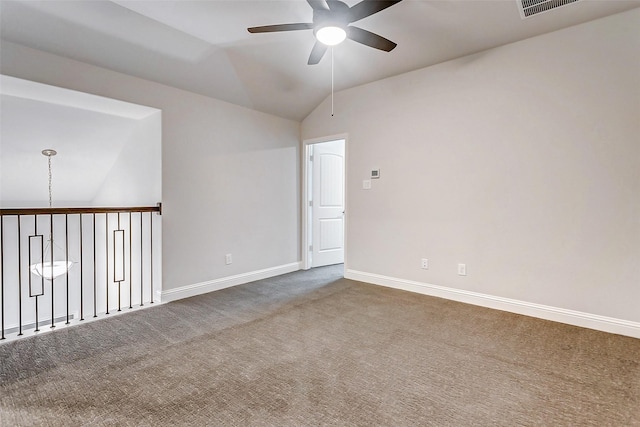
{"x":50,"y":152}
{"x":50,"y":197}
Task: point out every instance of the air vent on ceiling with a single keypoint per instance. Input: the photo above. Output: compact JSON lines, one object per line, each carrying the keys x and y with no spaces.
{"x":533,"y":7}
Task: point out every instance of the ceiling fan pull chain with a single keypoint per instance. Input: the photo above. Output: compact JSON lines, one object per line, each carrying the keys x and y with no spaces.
{"x":331,"y":81}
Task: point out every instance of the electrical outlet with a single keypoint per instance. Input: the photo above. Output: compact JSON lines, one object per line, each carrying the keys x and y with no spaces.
{"x":424,"y":263}
{"x":228,"y":259}
{"x":462,"y":269}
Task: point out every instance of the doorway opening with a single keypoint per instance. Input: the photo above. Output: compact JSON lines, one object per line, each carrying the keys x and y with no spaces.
{"x":324,"y":202}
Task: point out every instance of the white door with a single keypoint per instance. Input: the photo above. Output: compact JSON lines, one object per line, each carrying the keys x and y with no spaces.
{"x":327,"y":201}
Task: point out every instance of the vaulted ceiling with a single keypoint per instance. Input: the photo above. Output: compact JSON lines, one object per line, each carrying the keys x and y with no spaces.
{"x":204,"y":46}
{"x":88,"y":131}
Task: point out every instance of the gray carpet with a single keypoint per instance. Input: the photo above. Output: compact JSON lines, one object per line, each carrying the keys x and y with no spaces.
{"x":311,"y":348}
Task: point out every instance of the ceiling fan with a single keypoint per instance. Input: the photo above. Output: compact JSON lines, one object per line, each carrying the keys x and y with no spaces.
{"x":331,"y":19}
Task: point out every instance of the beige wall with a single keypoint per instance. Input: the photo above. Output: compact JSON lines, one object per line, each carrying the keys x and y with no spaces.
{"x":522,"y":162}
{"x":135,"y":178}
{"x":229,"y":174}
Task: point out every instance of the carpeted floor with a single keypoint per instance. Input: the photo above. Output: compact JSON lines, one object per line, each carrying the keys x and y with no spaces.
{"x":311,"y":348}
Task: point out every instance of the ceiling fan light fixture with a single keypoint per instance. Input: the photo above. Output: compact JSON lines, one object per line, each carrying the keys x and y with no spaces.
{"x":331,"y":35}
{"x":331,"y":25}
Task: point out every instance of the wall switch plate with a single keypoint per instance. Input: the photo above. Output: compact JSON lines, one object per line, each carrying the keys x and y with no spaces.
{"x":366,"y":184}
{"x":228,"y":259}
{"x":375,"y":174}
{"x":462,"y":269}
{"x":424,"y":263}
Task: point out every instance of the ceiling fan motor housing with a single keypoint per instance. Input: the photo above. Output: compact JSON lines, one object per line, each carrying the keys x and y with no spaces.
{"x":336,"y":17}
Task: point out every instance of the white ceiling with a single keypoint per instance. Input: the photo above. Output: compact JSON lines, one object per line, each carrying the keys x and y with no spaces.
{"x":88,"y":132}
{"x":204,"y":47}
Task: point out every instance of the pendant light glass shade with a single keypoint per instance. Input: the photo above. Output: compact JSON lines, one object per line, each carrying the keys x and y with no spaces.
{"x":50,"y":270}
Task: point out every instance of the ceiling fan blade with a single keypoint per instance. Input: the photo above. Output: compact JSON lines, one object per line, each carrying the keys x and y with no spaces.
{"x":317,"y":53}
{"x":318,"y":4}
{"x":281,"y":27}
{"x":368,"y":7}
{"x":370,"y":39}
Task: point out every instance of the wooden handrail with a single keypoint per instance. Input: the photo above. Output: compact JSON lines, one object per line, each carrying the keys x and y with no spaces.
{"x":82,"y":210}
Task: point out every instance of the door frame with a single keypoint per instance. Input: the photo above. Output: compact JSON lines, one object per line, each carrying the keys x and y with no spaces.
{"x":306,"y":195}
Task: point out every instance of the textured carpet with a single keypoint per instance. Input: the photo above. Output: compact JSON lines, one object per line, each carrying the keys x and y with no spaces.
{"x":311,"y":348}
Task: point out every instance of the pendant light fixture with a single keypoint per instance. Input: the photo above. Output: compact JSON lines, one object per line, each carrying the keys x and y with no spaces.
{"x":48,"y":268}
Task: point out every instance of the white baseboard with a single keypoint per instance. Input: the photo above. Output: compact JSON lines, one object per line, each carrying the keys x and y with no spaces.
{"x":226,"y":282}
{"x":571,"y":317}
